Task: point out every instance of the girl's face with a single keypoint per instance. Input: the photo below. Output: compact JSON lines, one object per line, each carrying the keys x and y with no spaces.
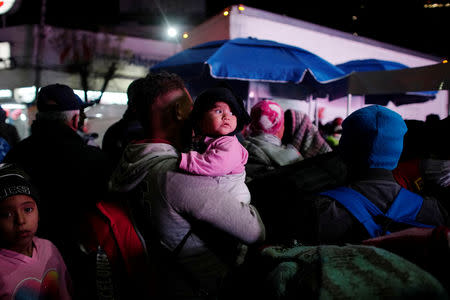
{"x":18,"y":223}
{"x":219,"y":120}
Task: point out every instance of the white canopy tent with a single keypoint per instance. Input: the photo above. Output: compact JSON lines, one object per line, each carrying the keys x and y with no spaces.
{"x":428,"y":78}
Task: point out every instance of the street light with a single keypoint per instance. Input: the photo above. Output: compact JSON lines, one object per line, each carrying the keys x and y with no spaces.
{"x":172,"y":32}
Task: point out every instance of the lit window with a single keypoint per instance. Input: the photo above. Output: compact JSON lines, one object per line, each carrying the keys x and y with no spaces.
{"x":25,"y":94}
{"x":107,"y":97}
{"x":6,"y":93}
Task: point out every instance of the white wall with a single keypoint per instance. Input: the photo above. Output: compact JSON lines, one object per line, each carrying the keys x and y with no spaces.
{"x":215,"y":28}
{"x":332,"y":45}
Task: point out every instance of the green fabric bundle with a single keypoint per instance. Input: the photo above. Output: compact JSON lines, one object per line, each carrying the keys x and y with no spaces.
{"x":345,"y":272}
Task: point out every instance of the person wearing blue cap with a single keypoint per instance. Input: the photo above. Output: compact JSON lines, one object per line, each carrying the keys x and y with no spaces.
{"x":69,"y":175}
{"x":372,"y":203}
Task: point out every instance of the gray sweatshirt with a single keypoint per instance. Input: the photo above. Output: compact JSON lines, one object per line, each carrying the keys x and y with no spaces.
{"x":177,"y":200}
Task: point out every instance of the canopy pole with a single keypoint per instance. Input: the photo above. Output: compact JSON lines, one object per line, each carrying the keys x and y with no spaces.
{"x":349,"y":103}
{"x":316,"y":113}
{"x":309,"y":106}
{"x":448,"y":103}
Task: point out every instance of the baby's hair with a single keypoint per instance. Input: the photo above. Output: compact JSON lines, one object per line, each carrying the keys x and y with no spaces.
{"x":207,"y":99}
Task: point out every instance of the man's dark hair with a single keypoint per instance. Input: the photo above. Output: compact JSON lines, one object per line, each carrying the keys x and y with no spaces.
{"x":155,"y":84}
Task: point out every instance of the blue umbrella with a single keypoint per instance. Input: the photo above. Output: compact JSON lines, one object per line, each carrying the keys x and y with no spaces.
{"x":250,"y":59}
{"x":339,"y":88}
{"x":370,"y":65}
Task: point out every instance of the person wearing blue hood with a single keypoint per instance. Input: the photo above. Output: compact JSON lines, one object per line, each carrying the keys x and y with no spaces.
{"x":372,"y":203}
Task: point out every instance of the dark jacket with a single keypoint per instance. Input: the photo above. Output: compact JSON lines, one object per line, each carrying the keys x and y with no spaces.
{"x":282,"y":196}
{"x":69,"y":176}
{"x":119,"y":135}
{"x":288,"y":199}
{"x":8,"y":131}
{"x":335,"y":225}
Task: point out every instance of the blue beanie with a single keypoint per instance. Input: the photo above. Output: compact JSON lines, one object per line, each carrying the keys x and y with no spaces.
{"x":372,"y":137}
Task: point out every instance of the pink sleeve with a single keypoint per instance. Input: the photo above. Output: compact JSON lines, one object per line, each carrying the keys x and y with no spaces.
{"x":223,"y":156}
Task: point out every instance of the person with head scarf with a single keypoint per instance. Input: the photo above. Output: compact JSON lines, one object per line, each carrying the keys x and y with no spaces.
{"x":266,"y":129}
{"x":303,"y":134}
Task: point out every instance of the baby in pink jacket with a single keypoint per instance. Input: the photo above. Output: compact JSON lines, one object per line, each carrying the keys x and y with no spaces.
{"x":217,"y":116}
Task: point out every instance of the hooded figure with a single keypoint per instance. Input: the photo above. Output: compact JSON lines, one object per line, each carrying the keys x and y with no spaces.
{"x":371,"y":145}
{"x":372,"y":203}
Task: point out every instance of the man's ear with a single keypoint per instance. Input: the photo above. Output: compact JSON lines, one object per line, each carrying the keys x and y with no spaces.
{"x":75,"y":120}
{"x":183,"y":108}
{"x":179,"y":113}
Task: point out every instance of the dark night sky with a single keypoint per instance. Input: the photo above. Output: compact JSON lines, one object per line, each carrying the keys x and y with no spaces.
{"x":404,"y":23}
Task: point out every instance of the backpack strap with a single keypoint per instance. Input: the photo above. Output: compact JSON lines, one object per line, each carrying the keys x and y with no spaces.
{"x":359,"y":206}
{"x":405,"y":208}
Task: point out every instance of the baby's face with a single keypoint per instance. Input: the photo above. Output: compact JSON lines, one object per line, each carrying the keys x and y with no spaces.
{"x":219,"y":120}
{"x":18,"y":223}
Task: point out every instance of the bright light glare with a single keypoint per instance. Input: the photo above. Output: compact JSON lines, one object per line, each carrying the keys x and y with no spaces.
{"x":185,"y":35}
{"x":171,"y":32}
{"x":225,"y":13}
{"x":23,"y":117}
{"x":241,"y":8}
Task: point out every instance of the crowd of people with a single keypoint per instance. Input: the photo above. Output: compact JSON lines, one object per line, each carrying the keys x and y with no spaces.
{"x":202,"y":200}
